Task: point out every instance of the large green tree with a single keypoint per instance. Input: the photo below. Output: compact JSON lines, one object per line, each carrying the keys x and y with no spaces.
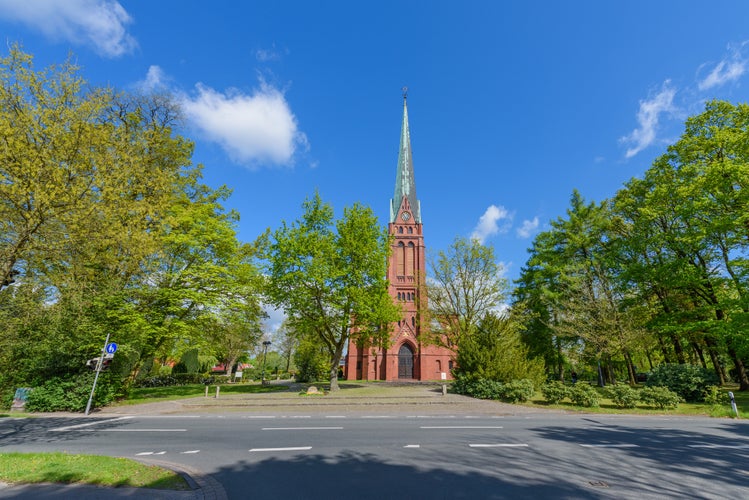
{"x":330,"y":277}
{"x":466,"y":284}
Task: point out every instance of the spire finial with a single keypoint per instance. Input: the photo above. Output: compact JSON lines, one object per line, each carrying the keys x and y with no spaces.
{"x":405,"y":92}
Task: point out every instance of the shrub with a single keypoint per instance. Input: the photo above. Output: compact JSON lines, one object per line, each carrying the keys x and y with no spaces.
{"x":660,"y":397}
{"x":71,"y":394}
{"x":714,"y":396}
{"x":623,"y":395}
{"x":555,"y":391}
{"x":688,"y":381}
{"x":584,"y":395}
{"x":517,"y":391}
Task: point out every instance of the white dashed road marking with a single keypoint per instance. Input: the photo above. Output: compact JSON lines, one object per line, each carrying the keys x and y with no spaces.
{"x":291,"y":448}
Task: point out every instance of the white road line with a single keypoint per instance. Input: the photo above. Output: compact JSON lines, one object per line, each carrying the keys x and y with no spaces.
{"x":720,"y":446}
{"x":412,"y":446}
{"x":377,"y":416}
{"x":460,"y":427}
{"x":624,"y":445}
{"x":302,"y":428}
{"x":499,"y":445}
{"x":260,"y":416}
{"x":135,"y":430}
{"x":292,"y":448}
{"x":335,"y":416}
{"x":88,"y":424}
{"x":160,"y":453}
{"x":190,"y":452}
{"x":143,"y":454}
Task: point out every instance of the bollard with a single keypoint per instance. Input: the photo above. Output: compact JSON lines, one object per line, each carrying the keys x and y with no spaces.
{"x":218,"y":388}
{"x":206,"y":391}
{"x":444,"y":389}
{"x":733,"y":404}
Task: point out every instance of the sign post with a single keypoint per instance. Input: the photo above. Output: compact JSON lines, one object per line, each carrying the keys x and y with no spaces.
{"x":105,"y":351}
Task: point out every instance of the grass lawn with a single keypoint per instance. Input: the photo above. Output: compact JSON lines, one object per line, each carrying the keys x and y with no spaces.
{"x":151,"y":394}
{"x":86,"y":469}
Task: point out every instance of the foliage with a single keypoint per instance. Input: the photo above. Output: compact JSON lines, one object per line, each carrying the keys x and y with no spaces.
{"x":623,"y":395}
{"x":713,"y":395}
{"x":311,"y":362}
{"x":555,"y":391}
{"x":104,"y":218}
{"x":177,"y":379}
{"x":584,"y":395}
{"x":518,"y":391}
{"x":514,"y":391}
{"x":330,"y":277}
{"x":659,"y":396}
{"x":466,"y":285}
{"x":495,"y":352}
{"x":72,"y":394}
{"x":688,"y":381}
{"x":657,"y":274}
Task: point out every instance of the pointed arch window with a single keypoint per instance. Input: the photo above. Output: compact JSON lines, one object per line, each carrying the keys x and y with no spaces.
{"x":400,"y":259}
{"x":410,"y":230}
{"x":410,"y":254}
{"x":400,"y":230}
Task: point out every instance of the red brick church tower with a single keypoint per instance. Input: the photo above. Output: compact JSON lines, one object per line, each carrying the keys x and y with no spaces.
{"x":407,"y":358}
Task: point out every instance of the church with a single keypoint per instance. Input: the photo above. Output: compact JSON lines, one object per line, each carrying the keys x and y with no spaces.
{"x":407,"y":358}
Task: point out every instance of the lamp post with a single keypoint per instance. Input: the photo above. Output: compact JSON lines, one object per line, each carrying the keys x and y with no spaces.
{"x":266,"y":343}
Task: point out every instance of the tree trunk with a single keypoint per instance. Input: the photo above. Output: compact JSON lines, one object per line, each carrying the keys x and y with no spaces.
{"x":740,"y":368}
{"x":664,"y":351}
{"x":717,"y":366}
{"x":700,"y":354}
{"x":678,"y":349}
{"x":334,"y":379}
{"x":560,"y":359}
{"x":630,"y":368}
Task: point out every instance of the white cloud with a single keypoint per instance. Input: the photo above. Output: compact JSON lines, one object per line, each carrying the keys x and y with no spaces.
{"x":252,"y":129}
{"x":155,"y":79}
{"x":272,"y":54}
{"x":527,"y":228}
{"x":648,"y":117}
{"x":100,"y":24}
{"x":489,"y":223}
{"x":727,"y":70}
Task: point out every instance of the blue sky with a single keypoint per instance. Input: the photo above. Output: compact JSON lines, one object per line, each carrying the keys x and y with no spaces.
{"x":512,"y":105}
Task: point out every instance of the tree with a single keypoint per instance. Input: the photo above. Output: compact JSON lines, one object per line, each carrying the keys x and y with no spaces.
{"x":466,"y":284}
{"x":330,"y":277}
{"x":496,"y":352}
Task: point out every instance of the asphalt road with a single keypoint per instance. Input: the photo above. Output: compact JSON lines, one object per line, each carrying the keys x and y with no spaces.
{"x":357,"y":455}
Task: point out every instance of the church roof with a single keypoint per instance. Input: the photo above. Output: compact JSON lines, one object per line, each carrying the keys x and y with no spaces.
{"x":405,"y":186}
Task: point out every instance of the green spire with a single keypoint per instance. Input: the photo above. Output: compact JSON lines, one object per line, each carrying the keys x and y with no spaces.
{"x":405,"y":186}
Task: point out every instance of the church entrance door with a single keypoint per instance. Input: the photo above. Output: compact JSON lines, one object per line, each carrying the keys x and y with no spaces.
{"x":405,"y":362}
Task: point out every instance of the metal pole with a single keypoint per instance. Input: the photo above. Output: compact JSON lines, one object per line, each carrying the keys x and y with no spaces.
{"x":96,"y":377}
{"x":265,"y":350}
{"x":733,"y":404}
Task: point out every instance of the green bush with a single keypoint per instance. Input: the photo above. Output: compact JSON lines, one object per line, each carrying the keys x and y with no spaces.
{"x":478,"y":388}
{"x":714,"y":396}
{"x":623,"y":395}
{"x":584,"y":395}
{"x":71,"y":394}
{"x":555,"y":391}
{"x":661,"y":397}
{"x":688,"y":381}
{"x":517,"y":391}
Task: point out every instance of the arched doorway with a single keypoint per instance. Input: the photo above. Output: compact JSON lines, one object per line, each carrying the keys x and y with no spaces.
{"x":405,"y":362}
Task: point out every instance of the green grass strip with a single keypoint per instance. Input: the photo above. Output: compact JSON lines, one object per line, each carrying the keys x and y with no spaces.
{"x":86,"y":469}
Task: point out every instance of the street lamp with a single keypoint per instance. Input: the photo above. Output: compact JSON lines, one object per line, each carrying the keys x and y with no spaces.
{"x":266,"y":343}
